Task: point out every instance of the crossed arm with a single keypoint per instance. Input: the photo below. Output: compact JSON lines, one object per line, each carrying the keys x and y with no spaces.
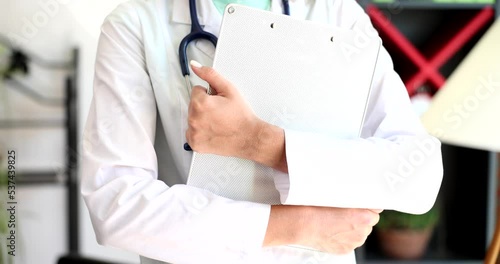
{"x":215,"y":125}
{"x":132,"y":209}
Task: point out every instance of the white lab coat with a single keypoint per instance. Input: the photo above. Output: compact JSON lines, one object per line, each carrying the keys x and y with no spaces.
{"x":134,"y":167}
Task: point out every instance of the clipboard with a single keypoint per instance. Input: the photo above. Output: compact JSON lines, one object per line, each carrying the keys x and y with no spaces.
{"x":296,"y":74}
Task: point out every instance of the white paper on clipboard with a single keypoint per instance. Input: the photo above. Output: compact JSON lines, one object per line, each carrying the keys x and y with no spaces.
{"x":296,"y":74}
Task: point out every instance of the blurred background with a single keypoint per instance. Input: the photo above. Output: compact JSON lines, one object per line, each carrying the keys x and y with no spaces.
{"x":47,"y":52}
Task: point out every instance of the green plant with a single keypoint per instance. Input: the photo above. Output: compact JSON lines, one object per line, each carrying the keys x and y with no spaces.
{"x":390,"y":219}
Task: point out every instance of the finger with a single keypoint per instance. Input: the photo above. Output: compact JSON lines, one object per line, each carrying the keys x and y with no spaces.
{"x":217,"y":82}
{"x":198,"y":91}
{"x":378,"y":211}
{"x":369,"y":217}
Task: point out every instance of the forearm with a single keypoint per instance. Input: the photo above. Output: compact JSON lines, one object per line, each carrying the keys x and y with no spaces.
{"x":403,"y":173}
{"x":155,"y":221}
{"x":267,"y":146}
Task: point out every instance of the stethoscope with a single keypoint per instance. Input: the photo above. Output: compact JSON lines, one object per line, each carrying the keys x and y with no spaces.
{"x":196,"y":33}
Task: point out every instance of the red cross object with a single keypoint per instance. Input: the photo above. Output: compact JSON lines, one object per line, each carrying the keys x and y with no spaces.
{"x":428,"y":68}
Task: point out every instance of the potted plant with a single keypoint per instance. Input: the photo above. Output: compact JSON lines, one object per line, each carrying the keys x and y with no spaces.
{"x":405,"y":236}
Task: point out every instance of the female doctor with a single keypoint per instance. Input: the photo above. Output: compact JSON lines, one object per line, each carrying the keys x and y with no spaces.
{"x":135,"y":167}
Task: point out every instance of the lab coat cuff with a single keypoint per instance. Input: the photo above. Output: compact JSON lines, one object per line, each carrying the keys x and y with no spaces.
{"x":253,"y":220}
{"x":300,"y":165}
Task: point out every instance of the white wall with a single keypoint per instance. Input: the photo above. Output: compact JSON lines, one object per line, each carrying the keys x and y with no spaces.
{"x":50,"y":29}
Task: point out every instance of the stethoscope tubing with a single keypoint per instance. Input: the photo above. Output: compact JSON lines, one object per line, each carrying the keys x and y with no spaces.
{"x":197,"y":32}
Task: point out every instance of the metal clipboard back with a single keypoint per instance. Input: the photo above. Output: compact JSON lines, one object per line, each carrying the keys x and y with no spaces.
{"x":296,"y":74}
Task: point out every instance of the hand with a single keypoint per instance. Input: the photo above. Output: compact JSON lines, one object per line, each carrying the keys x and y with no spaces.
{"x":338,"y":230}
{"x":332,"y":230}
{"x":222,"y":123}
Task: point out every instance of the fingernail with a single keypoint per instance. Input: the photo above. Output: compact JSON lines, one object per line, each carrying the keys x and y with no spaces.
{"x":195,"y":64}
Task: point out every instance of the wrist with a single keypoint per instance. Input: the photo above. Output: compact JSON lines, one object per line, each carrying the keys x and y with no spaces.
{"x":253,"y":142}
{"x":267,"y":145}
{"x":286,"y":226}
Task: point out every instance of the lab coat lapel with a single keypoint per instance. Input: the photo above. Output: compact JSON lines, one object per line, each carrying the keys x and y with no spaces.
{"x":180,"y":12}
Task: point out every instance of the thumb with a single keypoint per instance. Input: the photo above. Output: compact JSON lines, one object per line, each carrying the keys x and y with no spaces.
{"x":216,"y":81}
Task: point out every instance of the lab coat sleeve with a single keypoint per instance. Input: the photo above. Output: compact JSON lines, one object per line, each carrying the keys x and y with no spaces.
{"x":395,"y":164}
{"x":129,"y":207}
